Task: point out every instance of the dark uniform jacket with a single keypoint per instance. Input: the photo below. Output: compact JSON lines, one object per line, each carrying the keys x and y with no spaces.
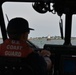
{"x":14,"y":48}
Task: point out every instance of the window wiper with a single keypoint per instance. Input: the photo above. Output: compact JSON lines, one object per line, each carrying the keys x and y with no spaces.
{"x":61,"y":27}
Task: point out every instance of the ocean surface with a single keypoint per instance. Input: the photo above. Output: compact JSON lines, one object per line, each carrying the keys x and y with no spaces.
{"x":40,"y":42}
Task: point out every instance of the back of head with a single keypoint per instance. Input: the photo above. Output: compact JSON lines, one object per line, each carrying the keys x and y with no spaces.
{"x":18,"y":26}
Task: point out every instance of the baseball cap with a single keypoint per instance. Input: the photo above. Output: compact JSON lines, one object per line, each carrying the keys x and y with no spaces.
{"x":18,"y":25}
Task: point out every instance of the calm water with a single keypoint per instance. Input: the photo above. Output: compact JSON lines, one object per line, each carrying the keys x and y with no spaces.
{"x":40,"y":42}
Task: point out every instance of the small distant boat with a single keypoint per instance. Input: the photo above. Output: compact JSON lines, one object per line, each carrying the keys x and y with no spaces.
{"x":48,"y":38}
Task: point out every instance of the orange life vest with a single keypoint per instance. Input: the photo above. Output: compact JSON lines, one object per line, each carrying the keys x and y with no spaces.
{"x":15,"y":48}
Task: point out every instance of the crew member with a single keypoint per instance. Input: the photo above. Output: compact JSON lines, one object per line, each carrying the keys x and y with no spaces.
{"x":16,"y":46}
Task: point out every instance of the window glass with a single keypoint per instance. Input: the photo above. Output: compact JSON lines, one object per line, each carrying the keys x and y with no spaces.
{"x":46,"y":25}
{"x":0,"y":37}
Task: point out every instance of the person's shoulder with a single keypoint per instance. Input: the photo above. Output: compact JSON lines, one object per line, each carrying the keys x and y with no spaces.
{"x":37,"y":57}
{"x":34,"y":54}
{"x":38,"y":62}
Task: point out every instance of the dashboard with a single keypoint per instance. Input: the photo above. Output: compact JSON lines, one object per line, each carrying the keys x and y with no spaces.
{"x":64,"y":58}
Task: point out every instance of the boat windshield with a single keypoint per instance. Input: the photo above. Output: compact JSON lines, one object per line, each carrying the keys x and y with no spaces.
{"x":47,"y":30}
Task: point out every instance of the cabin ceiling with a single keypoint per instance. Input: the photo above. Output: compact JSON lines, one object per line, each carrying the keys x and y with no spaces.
{"x":1,"y":1}
{"x":60,"y":6}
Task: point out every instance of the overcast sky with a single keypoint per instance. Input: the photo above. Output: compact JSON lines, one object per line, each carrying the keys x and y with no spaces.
{"x":44,"y":24}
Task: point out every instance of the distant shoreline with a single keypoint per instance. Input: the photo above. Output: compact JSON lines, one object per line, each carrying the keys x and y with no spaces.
{"x":51,"y":38}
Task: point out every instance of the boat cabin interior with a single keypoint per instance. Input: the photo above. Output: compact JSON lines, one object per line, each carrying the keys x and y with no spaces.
{"x":63,"y":56}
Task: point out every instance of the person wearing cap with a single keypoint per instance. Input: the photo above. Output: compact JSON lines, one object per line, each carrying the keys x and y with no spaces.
{"x":16,"y":46}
